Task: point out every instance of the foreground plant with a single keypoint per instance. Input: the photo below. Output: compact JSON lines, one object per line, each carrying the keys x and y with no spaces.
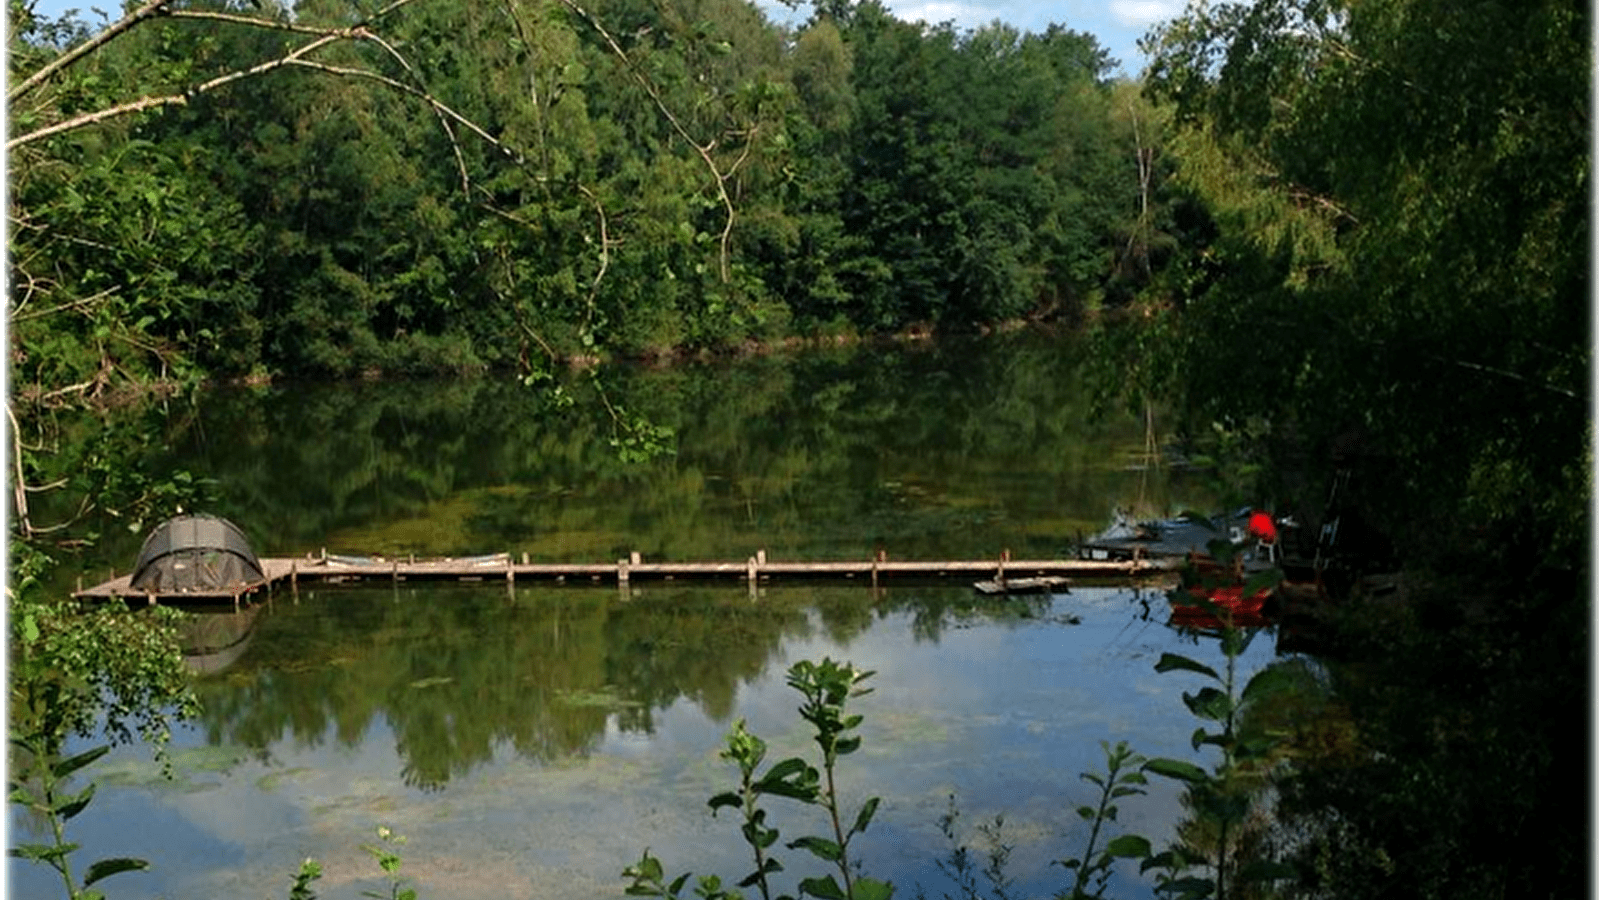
{"x":1124,"y":777}
{"x":42,"y":789}
{"x":79,"y":671}
{"x":1221,"y":799}
{"x":827,"y":688}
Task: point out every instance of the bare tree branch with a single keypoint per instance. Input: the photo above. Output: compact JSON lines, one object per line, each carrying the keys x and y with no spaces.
{"x":605,"y":255}
{"x":20,"y":486}
{"x":422,"y":95}
{"x":444,"y":123}
{"x":324,"y":37}
{"x":142,"y":14}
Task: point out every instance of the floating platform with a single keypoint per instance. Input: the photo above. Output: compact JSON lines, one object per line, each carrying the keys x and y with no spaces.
{"x":1043,"y":584}
{"x":325,"y":569}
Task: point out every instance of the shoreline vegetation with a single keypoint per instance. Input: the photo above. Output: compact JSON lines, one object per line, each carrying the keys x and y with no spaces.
{"x":1308,"y":229}
{"x":129,"y":392}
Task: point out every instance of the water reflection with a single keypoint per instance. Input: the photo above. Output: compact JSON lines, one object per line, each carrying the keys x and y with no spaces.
{"x":213,"y":640}
{"x":458,"y":671}
{"x":530,"y":744}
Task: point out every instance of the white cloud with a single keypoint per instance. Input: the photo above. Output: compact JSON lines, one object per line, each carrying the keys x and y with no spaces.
{"x":964,"y":15}
{"x":1145,"y":12}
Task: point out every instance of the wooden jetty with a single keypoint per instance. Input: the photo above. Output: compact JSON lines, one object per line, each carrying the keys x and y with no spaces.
{"x":326,"y":569}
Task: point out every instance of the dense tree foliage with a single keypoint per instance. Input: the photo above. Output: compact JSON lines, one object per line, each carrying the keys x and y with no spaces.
{"x":443,"y":185}
{"x":1397,"y":275}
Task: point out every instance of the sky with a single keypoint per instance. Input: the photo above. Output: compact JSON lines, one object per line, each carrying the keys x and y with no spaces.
{"x":1116,"y":24}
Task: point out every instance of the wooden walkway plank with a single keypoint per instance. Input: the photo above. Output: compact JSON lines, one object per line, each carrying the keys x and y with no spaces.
{"x":501,"y":566}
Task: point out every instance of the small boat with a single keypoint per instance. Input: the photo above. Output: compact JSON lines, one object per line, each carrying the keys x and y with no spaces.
{"x":1045,"y":584}
{"x":1252,"y":531}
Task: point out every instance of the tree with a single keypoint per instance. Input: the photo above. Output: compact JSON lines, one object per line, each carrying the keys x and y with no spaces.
{"x":1401,"y":269}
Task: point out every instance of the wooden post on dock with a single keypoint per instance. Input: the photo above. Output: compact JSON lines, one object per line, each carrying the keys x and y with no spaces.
{"x":510,"y":569}
{"x":1004,"y":557}
{"x":621,"y":572}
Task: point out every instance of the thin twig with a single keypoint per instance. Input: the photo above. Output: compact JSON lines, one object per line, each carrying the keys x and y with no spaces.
{"x":18,"y":315}
{"x":704,"y":150}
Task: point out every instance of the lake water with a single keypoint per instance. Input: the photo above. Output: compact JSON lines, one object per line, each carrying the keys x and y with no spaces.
{"x":531,"y":742}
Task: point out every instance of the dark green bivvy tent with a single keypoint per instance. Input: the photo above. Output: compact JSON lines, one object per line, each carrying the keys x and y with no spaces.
{"x":196,"y":554}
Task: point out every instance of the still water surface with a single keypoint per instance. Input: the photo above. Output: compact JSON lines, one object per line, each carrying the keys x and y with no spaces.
{"x":532,"y":742}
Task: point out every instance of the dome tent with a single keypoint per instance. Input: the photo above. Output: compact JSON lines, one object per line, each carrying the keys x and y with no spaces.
{"x":196,"y":554}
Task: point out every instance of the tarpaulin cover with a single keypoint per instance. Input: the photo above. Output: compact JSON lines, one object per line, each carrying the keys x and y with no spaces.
{"x":196,"y":553}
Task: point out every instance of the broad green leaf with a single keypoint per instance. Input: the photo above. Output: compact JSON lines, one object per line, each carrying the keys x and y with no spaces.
{"x":105,"y":868}
{"x":1172,"y":661}
{"x":872,"y":889}
{"x":724,"y":800}
{"x":1176,"y":768}
{"x":819,"y":847}
{"x":1267,"y":682}
{"x":1130,"y":846}
{"x":793,"y":778}
{"x":1087,"y":812}
{"x":786,"y":769}
{"x":68,"y":809}
{"x":72,"y":764}
{"x":1127,"y":792}
{"x":823,"y":888}
{"x":864,"y":817}
{"x":43,"y":852}
{"x":1209,"y":703}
